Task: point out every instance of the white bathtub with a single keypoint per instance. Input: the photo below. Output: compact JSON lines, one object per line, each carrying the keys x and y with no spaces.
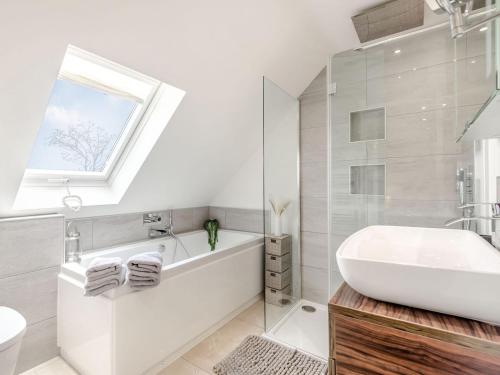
{"x":125,"y":332}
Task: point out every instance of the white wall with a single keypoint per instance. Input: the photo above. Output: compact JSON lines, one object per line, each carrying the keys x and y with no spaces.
{"x":244,"y":189}
{"x":281,"y":152}
{"x":217,"y":51}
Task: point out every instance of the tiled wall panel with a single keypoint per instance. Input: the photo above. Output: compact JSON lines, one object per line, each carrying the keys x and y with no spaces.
{"x":429,"y":90}
{"x":28,"y":244}
{"x":103,"y":231}
{"x":246,"y":220}
{"x":31,"y":251}
{"x":39,"y":344}
{"x":314,"y":192}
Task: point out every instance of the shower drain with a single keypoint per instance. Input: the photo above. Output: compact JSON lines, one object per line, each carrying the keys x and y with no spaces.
{"x":308,"y":308}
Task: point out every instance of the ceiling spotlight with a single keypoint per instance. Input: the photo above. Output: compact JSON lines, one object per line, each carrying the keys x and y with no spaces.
{"x":473,"y":62}
{"x":397,"y":51}
{"x":424,"y":108}
{"x":483,"y":29}
{"x":444,"y":105}
{"x":424,"y":119}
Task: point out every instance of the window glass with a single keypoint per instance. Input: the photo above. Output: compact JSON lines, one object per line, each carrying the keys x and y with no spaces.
{"x":81,"y":128}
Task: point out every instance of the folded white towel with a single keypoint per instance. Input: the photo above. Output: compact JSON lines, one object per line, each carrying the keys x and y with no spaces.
{"x":97,"y":291}
{"x":144,"y":274}
{"x":143,"y":284}
{"x":132,"y":277}
{"x":146,"y":262}
{"x":101,"y":266}
{"x":96,"y":287}
{"x":112,"y":277}
{"x":144,"y":270}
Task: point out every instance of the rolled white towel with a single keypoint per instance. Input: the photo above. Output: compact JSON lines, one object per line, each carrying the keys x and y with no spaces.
{"x":101,"y":266}
{"x":96,"y":287}
{"x":145,"y":262}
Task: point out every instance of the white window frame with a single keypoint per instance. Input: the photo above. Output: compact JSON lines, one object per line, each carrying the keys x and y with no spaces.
{"x":137,"y":120}
{"x":40,"y":190}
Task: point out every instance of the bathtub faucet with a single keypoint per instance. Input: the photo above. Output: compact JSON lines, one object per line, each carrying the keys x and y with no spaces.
{"x":165,"y":231}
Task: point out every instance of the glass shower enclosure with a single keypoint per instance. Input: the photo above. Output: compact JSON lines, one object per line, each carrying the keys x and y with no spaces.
{"x":397,"y":112}
{"x":281,"y":203}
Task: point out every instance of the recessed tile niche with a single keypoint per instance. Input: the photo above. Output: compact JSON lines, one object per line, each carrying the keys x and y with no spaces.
{"x":367,"y":125}
{"x":367,"y":179}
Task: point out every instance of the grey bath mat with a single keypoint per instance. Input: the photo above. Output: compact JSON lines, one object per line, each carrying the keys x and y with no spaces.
{"x":259,"y":356}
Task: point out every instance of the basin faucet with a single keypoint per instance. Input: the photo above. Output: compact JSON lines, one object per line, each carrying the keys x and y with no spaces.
{"x":494,"y":218}
{"x":165,"y":231}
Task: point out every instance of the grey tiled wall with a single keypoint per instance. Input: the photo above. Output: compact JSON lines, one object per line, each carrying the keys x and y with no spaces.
{"x":314,"y":178}
{"x":428,"y":91}
{"x":247,"y":220}
{"x":103,"y":231}
{"x":31,"y":251}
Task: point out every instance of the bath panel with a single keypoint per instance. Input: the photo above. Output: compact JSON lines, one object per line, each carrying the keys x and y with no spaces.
{"x":125,"y":332}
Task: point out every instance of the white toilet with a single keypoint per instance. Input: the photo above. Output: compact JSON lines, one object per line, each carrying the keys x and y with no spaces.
{"x":12,"y":329}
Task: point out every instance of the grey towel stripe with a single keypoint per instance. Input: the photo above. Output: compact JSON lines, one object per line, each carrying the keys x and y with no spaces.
{"x":260,"y":356}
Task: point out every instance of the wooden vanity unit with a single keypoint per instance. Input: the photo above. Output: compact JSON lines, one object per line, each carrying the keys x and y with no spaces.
{"x":373,"y":337}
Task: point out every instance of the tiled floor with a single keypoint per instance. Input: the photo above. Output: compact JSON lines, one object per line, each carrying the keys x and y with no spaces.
{"x":199,"y":360}
{"x":55,"y":366}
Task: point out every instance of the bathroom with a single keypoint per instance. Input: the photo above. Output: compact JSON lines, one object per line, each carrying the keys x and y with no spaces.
{"x":309,"y":186}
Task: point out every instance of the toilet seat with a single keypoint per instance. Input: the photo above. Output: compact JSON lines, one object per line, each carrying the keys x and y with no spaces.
{"x":12,"y":327}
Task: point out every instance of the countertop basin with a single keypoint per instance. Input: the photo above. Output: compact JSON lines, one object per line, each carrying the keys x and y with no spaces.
{"x":450,"y":271}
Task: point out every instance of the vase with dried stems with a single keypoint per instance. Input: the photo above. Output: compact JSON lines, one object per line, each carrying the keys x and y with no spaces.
{"x":279,"y":209}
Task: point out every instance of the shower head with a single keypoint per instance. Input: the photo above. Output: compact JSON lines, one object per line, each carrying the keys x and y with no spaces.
{"x":457,"y":10}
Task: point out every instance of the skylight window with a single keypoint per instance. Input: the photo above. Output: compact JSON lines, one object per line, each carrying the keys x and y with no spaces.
{"x":94,"y":109}
{"x":81,"y":129}
{"x":100,"y":124}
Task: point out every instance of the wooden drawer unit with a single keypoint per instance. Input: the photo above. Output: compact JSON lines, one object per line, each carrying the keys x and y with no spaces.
{"x":374,"y":337}
{"x":278,"y":280}
{"x":278,"y":245}
{"x":276,"y":263}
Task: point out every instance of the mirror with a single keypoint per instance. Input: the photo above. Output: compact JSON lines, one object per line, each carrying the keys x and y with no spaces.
{"x":478,"y":78}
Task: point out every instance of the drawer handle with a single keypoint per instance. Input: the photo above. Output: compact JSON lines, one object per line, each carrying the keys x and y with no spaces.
{"x":273,"y":258}
{"x":273,"y":274}
{"x":273,"y":291}
{"x":274,"y":241}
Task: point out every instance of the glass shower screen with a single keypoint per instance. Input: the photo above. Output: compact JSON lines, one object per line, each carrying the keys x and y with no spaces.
{"x":281,"y":202}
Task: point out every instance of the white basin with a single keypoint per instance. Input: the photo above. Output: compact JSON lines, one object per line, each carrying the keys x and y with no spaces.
{"x":445,"y":270}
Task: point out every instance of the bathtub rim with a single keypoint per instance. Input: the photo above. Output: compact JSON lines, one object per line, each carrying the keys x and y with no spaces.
{"x":74,"y":273}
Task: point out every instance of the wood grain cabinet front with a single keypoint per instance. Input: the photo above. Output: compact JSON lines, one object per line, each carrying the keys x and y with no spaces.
{"x":373,"y":337}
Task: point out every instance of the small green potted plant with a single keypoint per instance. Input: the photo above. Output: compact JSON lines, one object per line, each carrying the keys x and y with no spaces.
{"x":212,"y":226}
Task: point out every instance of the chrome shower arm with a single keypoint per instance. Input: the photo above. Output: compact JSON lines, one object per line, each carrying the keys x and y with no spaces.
{"x":478,"y":24}
{"x":447,"y":6}
{"x":459,"y":12}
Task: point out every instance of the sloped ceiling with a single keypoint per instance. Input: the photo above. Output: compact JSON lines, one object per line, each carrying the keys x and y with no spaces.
{"x":217,"y":51}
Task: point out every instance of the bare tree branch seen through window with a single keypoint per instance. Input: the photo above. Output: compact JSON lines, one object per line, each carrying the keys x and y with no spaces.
{"x":84,"y":144}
